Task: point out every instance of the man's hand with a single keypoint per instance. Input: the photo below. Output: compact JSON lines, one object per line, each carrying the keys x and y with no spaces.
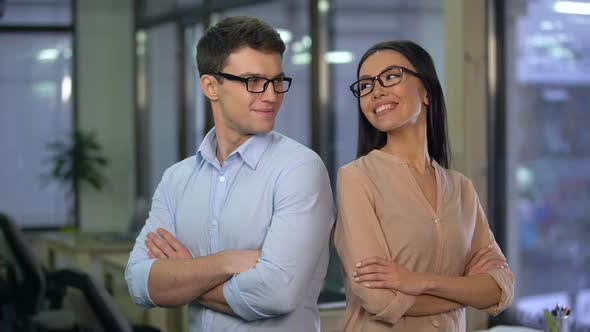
{"x":484,"y":260}
{"x":240,"y":260}
{"x":236,"y":261}
{"x":377,"y":272}
{"x":165,"y":245}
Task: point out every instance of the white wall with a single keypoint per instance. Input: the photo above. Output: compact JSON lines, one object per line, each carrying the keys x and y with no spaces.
{"x":465,"y":87}
{"x":104,"y":54}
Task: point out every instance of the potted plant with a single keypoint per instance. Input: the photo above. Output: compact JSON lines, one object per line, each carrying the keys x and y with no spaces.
{"x":76,"y":160}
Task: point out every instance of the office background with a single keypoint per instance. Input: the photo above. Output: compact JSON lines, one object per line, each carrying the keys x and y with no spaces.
{"x":516,"y":76}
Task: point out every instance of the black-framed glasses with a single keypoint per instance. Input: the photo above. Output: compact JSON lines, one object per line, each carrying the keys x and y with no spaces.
{"x":256,"y":84}
{"x":392,"y":75}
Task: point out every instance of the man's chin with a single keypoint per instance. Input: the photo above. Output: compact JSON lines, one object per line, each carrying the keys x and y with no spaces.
{"x":261,"y":131}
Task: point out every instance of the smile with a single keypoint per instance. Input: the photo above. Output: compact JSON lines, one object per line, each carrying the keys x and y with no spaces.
{"x":383,"y":108}
{"x":264,"y":112}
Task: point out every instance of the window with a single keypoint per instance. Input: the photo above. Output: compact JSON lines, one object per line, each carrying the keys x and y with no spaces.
{"x":195,"y":100}
{"x":158,"y":104}
{"x":548,"y":157}
{"x":354,"y":31}
{"x":53,"y":13}
{"x":171,"y":113}
{"x":36,"y":108}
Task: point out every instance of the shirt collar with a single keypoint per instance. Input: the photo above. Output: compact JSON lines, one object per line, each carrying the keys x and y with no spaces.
{"x":208,"y":147}
{"x":250,"y":151}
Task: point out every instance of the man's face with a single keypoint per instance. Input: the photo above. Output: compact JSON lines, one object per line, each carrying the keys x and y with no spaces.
{"x":238,"y":111}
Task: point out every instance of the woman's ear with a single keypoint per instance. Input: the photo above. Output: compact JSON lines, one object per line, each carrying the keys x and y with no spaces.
{"x":426,"y":101}
{"x":209,"y":86}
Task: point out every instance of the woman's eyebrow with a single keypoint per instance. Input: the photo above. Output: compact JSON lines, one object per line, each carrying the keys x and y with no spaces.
{"x":384,"y":69}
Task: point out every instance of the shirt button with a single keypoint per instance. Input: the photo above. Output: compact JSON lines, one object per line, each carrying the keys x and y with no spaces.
{"x":214,"y":222}
{"x":436,"y":221}
{"x":222,"y":178}
{"x":435,"y":323}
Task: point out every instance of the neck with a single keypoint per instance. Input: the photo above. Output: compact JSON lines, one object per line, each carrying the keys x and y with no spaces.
{"x":410,"y":143}
{"x":227,"y":142}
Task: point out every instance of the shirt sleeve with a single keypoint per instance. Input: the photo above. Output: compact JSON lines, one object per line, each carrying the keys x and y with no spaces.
{"x":139,"y":264}
{"x":358,"y":235}
{"x":483,"y":237}
{"x":297,"y":240}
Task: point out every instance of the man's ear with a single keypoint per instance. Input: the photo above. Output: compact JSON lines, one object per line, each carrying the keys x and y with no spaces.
{"x":209,"y":85}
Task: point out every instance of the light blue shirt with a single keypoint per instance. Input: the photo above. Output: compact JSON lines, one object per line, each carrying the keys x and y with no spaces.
{"x":271,"y":193}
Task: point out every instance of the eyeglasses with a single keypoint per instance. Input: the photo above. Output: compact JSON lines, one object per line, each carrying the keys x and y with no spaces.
{"x":392,"y":75}
{"x":259,"y":84}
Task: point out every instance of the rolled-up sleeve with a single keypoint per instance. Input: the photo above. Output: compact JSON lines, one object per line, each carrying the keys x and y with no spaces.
{"x":505,"y":280}
{"x":139,"y":265}
{"x":296,"y":241}
{"x":483,"y":237}
{"x":358,"y":235}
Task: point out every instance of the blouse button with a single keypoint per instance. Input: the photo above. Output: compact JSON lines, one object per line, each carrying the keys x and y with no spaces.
{"x":435,"y":323}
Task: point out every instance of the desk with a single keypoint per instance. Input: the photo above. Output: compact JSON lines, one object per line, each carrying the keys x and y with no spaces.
{"x":529,"y":309}
{"x":167,"y":320}
{"x":104,"y":257}
{"x":503,"y":328}
{"x":331,"y":315}
{"x":80,"y":250}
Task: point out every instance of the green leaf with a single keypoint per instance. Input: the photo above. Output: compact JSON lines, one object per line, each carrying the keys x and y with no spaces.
{"x":550,"y":321}
{"x":78,"y":159}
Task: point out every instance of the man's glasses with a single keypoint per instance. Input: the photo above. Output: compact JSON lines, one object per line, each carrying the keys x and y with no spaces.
{"x":392,"y":75}
{"x":259,"y":84}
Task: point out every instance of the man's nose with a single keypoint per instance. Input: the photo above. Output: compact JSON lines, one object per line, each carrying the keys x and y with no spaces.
{"x":269,"y":94}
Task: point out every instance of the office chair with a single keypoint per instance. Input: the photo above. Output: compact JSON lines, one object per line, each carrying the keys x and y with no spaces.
{"x":90,"y":302}
{"x":25,"y":290}
{"x":23,"y":277}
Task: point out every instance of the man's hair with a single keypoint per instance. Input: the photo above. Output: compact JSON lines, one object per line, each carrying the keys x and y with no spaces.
{"x":232,"y":33}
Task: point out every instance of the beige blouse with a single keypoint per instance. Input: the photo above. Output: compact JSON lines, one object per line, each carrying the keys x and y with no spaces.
{"x":382,"y":212}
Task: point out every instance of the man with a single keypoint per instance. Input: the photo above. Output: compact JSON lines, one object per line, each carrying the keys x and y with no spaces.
{"x":241,"y":229}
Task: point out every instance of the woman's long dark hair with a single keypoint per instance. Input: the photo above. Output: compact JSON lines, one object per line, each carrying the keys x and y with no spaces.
{"x":371,"y":138}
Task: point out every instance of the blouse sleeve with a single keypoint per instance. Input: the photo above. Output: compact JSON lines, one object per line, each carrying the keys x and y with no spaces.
{"x":358,"y":235}
{"x":483,"y":237}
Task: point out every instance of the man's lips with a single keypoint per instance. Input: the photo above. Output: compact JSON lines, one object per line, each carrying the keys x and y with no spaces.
{"x":264,"y":111}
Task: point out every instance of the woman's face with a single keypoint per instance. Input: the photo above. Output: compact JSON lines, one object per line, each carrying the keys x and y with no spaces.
{"x":393,"y":107}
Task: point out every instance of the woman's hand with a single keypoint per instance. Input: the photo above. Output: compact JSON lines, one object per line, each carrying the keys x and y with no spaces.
{"x":484,"y":260}
{"x":376,"y":272}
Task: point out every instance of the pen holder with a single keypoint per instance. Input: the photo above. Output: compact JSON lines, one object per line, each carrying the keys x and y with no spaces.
{"x":557,"y":323}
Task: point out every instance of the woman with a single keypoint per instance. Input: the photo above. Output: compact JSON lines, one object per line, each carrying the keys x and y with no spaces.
{"x":414,"y":241}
